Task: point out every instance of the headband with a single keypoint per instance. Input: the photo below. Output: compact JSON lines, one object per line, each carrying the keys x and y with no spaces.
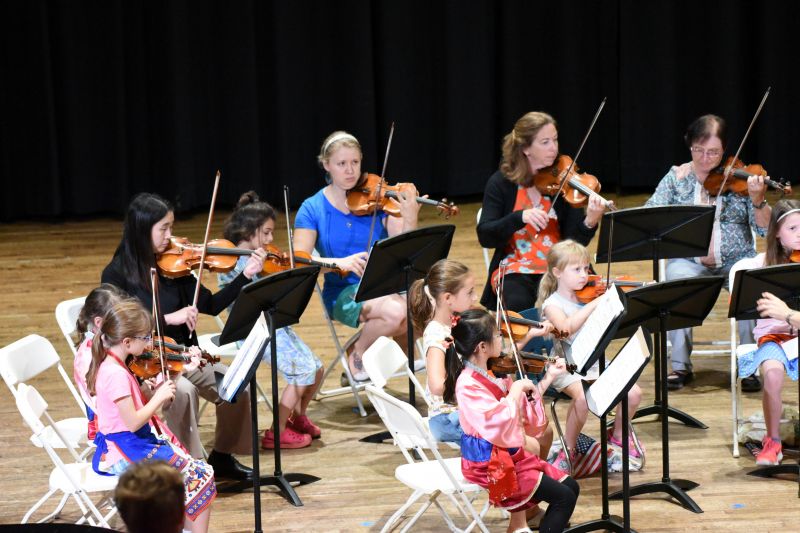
{"x":787,"y":213}
{"x":337,"y":137}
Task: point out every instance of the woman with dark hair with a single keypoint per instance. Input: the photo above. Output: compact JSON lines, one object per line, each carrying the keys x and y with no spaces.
{"x":519,"y":222}
{"x":146,"y":233}
{"x":738,"y":218}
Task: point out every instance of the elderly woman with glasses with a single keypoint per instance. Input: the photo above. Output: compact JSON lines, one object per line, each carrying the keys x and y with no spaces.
{"x":737,"y":219}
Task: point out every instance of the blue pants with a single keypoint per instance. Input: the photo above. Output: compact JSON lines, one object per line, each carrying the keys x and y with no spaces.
{"x":445,"y":427}
{"x":681,"y":339}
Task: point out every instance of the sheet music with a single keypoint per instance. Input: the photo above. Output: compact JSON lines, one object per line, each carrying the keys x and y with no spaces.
{"x":608,"y":308}
{"x":618,"y":374}
{"x":790,"y":348}
{"x":245,"y":357}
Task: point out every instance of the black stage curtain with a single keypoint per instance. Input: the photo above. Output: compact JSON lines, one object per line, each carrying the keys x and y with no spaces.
{"x":100,"y":100}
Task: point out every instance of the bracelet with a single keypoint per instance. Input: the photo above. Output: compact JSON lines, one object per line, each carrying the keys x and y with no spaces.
{"x":762,"y":205}
{"x":789,"y":317}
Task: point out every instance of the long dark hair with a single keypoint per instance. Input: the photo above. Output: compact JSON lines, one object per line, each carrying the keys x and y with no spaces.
{"x":248,"y":216}
{"x":474,"y":327}
{"x":135,"y":249}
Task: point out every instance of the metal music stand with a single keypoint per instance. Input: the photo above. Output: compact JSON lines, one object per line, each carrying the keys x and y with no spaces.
{"x":680,"y":303}
{"x":606,"y":521}
{"x":782,"y":281}
{"x":655,"y":233}
{"x":394,"y":264}
{"x":282,"y":297}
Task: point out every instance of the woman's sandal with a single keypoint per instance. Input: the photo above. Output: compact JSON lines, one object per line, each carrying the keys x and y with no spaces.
{"x":678,"y":378}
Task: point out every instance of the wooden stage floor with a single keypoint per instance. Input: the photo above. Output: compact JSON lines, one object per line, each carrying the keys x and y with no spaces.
{"x":45,"y":263}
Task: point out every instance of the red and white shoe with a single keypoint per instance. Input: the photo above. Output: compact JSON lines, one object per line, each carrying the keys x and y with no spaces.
{"x":771,"y":453}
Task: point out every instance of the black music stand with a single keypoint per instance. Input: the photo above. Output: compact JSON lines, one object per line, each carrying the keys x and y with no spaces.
{"x":680,"y":303}
{"x":394,"y":264}
{"x":782,"y":281}
{"x":608,"y":522}
{"x":282,"y":297}
{"x":655,"y":233}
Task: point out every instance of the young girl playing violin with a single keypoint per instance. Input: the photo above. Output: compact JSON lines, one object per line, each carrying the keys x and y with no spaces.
{"x":567,"y":272}
{"x":447,"y":290}
{"x":127,"y":426}
{"x":146,"y":234}
{"x":502,"y":445}
{"x":326,"y":223}
{"x":779,"y":325}
{"x":251,"y":226}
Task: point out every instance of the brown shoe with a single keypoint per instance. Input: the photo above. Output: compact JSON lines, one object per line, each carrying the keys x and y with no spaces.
{"x":678,"y":378}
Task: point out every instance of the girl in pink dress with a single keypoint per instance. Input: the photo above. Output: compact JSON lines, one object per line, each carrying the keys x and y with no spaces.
{"x":505,"y":431}
{"x":128,"y":430}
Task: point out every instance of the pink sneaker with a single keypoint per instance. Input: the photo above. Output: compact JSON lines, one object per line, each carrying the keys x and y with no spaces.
{"x":302,"y":424}
{"x":290,"y":439}
{"x":771,"y":453}
{"x":632,"y":451}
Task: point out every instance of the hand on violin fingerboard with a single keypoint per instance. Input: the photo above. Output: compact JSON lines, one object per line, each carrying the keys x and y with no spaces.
{"x":355,"y":263}
{"x":195,"y":361}
{"x":557,"y":368}
{"x":255,"y":264}
{"x":594,"y":211}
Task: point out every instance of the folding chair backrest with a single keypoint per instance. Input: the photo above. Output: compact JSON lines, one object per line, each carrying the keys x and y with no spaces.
{"x":66,"y":315}
{"x":485,"y":251}
{"x":28,"y":357}
{"x":31,"y":406}
{"x":382,"y":359}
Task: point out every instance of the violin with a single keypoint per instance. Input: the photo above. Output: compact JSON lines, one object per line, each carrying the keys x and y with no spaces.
{"x":531,"y":363}
{"x":577,"y":188}
{"x":737,"y":180}
{"x":794,"y":257}
{"x":148,"y":364}
{"x":518,"y":327}
{"x":221,"y":256}
{"x":596,"y":286}
{"x":363,"y":198}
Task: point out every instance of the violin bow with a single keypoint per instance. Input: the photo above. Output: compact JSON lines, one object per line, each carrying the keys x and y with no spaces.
{"x":288,"y":225}
{"x":578,"y":153}
{"x":205,"y":241}
{"x":380,"y":184}
{"x":157,"y":318}
{"x":729,"y":168}
{"x":501,"y":315}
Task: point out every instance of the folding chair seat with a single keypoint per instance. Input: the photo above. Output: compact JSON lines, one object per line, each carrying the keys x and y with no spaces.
{"x":74,"y":479}
{"x":29,"y":357}
{"x":430,"y":476}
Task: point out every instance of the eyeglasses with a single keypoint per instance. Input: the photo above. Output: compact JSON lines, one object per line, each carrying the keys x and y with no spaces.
{"x":145,"y":338}
{"x":702,"y":152}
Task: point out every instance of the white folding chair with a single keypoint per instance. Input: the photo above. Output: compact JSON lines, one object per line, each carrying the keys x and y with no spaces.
{"x":75,"y":479}
{"x":430,"y":476}
{"x":737,"y":351}
{"x":485,"y":250}
{"x":67,"y":315}
{"x":29,"y":357}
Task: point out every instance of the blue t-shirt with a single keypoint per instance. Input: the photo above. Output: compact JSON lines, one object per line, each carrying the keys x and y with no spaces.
{"x":338,"y":235}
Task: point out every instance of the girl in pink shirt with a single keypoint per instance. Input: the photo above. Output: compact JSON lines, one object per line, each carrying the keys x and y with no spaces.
{"x":128,"y":430}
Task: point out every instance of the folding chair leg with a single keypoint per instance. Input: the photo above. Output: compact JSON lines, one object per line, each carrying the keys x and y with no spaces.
{"x":564,"y":447}
{"x":421,"y":511}
{"x":41,"y":501}
{"x":477,"y":520}
{"x":399,"y":513}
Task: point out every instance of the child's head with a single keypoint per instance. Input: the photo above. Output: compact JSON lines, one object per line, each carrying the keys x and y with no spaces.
{"x":474,"y":334}
{"x":96,"y":305}
{"x":127,"y":325}
{"x":251,"y":223}
{"x":567,"y":263}
{"x":449,"y":284}
{"x":783,"y":235}
{"x":149,"y":497}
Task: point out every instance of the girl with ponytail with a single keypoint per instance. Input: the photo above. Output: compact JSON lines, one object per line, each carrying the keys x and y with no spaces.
{"x":506,"y":433}
{"x":128,"y":429}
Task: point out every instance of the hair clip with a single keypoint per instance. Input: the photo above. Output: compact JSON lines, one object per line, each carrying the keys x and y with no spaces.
{"x":454,"y":320}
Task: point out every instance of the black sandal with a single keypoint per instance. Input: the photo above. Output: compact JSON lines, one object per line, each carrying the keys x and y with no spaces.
{"x":678,"y":378}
